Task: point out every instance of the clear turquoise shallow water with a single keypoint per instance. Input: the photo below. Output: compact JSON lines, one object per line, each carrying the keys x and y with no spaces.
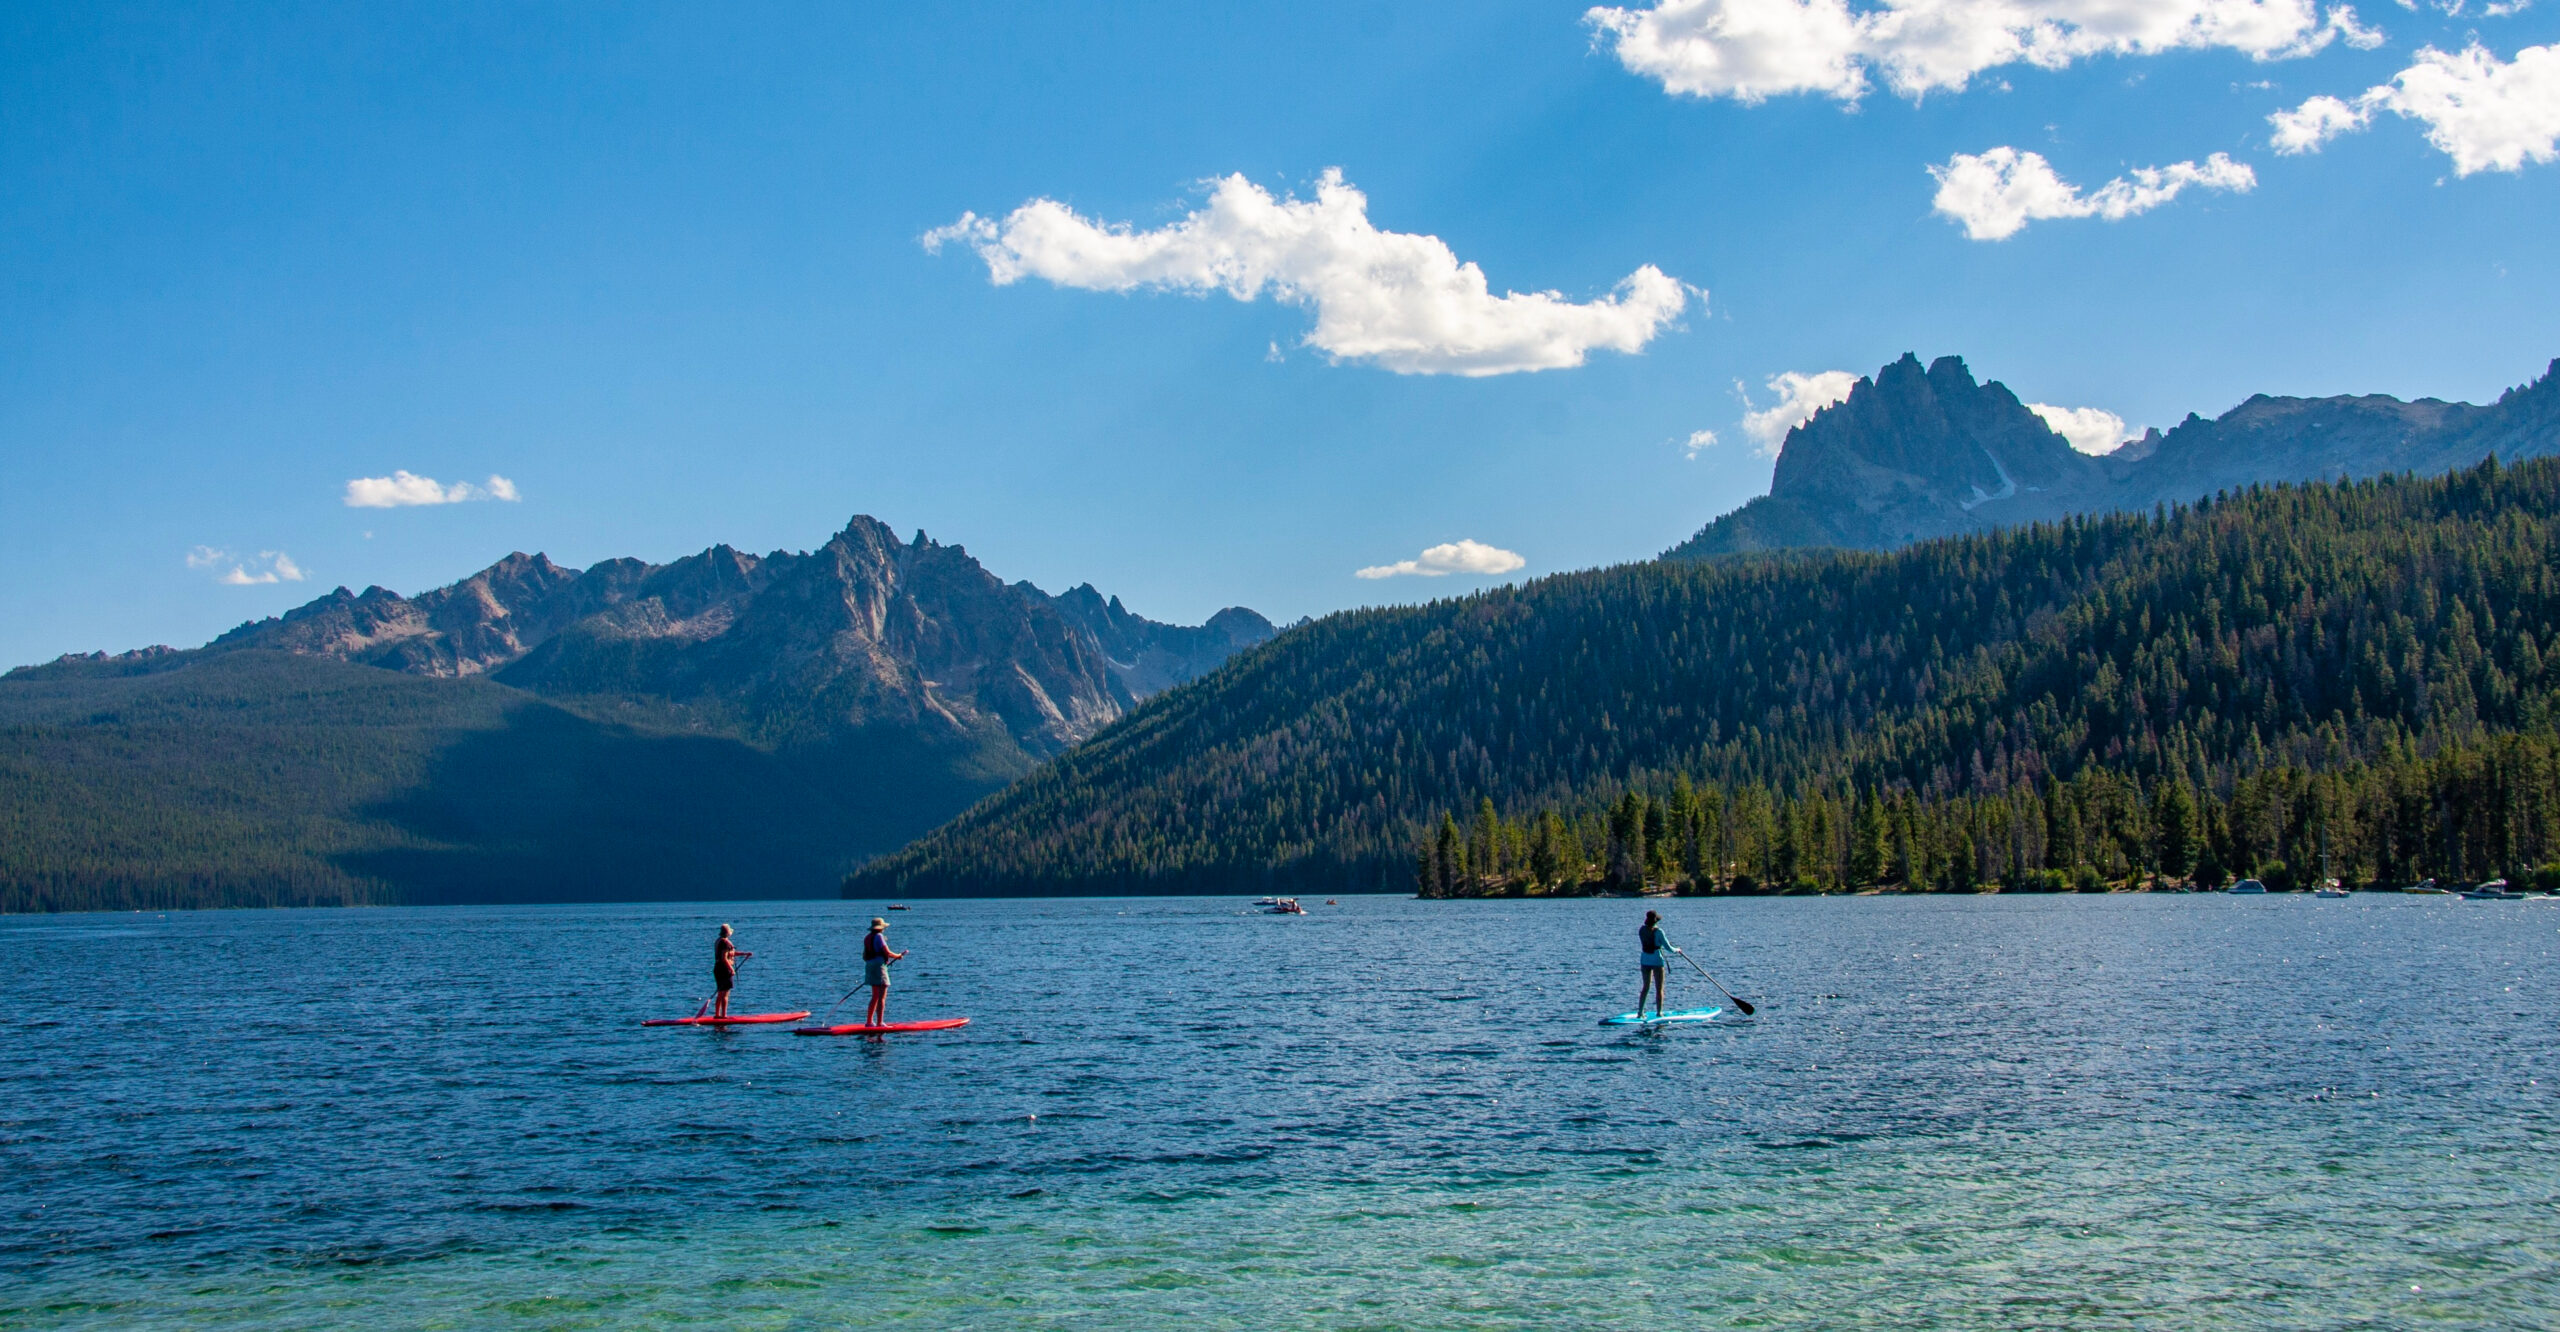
{"x":1977,"y":1112}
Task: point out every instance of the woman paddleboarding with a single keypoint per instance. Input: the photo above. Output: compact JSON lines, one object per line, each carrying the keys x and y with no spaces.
{"x":725,"y":958}
{"x":876,"y":957}
{"x":1649,"y":963}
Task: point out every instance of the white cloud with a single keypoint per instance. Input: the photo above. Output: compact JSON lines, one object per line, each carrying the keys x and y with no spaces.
{"x":1996,"y":193}
{"x":267,"y":566}
{"x":2342,"y":21}
{"x":2304,"y":128}
{"x":1700,"y":441}
{"x":1395,"y":299}
{"x":2090,"y":429}
{"x":2485,"y":114}
{"x":402,"y":489}
{"x":1467,"y":557}
{"x":1799,"y":397}
{"x":1751,"y":50}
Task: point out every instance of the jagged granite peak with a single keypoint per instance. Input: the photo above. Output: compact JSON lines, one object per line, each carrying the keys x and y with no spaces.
{"x":1915,"y":453}
{"x":864,"y":632}
{"x":1149,"y":657}
{"x":466,"y":628}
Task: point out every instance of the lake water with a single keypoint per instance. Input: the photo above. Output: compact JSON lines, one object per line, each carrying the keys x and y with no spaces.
{"x":2103,"y":1111}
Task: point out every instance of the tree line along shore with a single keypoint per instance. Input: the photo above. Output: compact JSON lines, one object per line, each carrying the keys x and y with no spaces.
{"x":2469,"y":811}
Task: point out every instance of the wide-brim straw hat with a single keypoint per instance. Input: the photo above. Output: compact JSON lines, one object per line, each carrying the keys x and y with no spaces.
{"x":879,"y":924}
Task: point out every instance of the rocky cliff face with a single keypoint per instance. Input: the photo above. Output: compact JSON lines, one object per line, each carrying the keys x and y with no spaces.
{"x":865,"y":632}
{"x":1914,"y":454}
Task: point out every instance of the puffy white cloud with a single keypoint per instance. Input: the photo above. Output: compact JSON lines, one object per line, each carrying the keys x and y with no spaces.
{"x":1395,"y":299}
{"x":1748,"y":50}
{"x":402,"y":489}
{"x":1467,"y":557}
{"x":1996,"y":193}
{"x":1700,"y":441}
{"x":1799,"y":397}
{"x":2090,"y":429}
{"x":2304,"y":128}
{"x":1751,"y":50}
{"x":2484,"y":113}
{"x":267,"y":566}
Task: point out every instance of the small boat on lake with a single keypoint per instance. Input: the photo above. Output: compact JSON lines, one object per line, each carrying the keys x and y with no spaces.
{"x":2495,"y":890}
{"x":2424,"y":886}
{"x":2329,"y":888}
{"x":2246,"y":887}
{"x":1286,"y":906}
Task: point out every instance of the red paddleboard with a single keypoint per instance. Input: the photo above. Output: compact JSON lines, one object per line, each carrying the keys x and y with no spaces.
{"x":861,"y":1029}
{"x":733,"y":1020}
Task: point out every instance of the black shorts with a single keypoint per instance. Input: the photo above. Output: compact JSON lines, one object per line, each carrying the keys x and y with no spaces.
{"x":724,"y":978}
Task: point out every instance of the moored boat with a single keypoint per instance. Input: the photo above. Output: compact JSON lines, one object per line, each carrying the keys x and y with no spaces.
{"x":2246,"y":887}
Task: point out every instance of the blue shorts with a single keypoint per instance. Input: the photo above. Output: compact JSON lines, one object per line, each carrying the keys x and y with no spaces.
{"x":1650,"y":961}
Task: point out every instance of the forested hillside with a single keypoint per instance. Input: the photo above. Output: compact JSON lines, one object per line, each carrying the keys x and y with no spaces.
{"x":2319,"y":627}
{"x":262,"y":778}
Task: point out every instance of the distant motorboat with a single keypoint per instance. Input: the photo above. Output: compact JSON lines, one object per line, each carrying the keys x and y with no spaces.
{"x":2246,"y":886}
{"x":1285,"y":906}
{"x":2329,"y":888}
{"x":2424,"y":886}
{"x":2495,"y":890}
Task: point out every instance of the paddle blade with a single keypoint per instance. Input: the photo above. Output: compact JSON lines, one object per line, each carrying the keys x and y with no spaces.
{"x":1744,"y":1005}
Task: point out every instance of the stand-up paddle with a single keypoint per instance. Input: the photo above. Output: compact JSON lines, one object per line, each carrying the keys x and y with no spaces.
{"x":848,"y":995}
{"x":876,"y":957}
{"x":1743,"y":1004}
{"x":701,"y":1017}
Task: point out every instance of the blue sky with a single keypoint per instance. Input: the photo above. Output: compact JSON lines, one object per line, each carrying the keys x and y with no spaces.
{"x":662,"y":270}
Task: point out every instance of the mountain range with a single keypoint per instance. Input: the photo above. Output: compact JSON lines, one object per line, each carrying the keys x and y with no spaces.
{"x":740,"y":725}
{"x":727,"y":724}
{"x":1915,"y":453}
{"x":863,"y":632}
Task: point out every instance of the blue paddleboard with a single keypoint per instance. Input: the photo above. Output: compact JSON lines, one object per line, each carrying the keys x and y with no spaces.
{"x":1685,"y":1015}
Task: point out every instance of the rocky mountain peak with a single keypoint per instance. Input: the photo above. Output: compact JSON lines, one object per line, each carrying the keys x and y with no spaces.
{"x":864,"y":632}
{"x":1916,"y":453}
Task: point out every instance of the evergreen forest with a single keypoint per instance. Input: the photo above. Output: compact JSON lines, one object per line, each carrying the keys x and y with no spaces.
{"x":2329,"y":680}
{"x":263,"y":778}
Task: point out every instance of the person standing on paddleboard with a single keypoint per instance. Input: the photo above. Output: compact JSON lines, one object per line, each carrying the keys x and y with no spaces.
{"x":876,"y":957}
{"x":1649,"y":963}
{"x":725,"y":958}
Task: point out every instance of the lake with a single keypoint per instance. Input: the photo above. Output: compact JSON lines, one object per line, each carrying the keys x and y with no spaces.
{"x":2083,"y":1111}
